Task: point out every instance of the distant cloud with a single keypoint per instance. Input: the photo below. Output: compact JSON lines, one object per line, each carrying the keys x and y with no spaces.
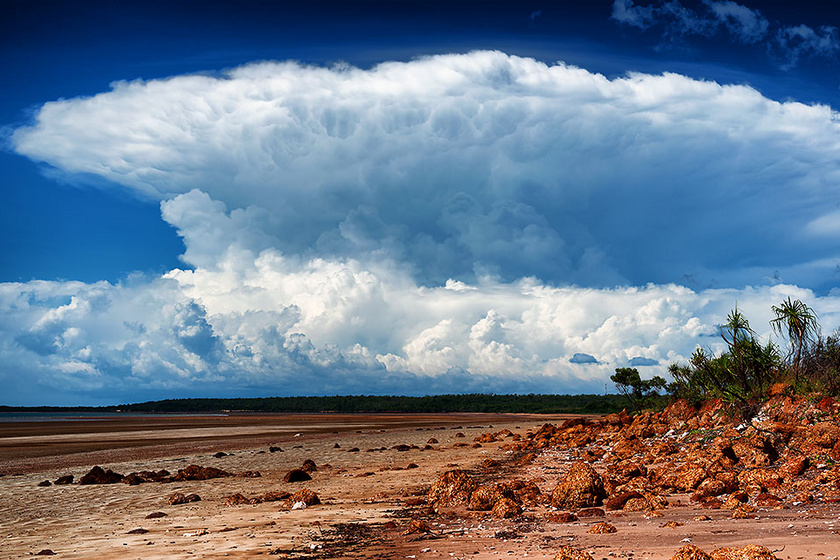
{"x":580,"y":358}
{"x":742,"y":24}
{"x":639,"y":361}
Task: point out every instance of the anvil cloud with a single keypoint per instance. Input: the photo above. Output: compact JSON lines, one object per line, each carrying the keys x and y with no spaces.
{"x":457,"y":222}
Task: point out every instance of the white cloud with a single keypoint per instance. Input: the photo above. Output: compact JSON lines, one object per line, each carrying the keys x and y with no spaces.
{"x":291,"y":326}
{"x":463,"y":166}
{"x":457,"y":223}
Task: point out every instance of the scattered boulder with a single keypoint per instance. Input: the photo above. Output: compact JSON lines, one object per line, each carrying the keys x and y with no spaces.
{"x":46,"y":552}
{"x":309,"y":466}
{"x":305,"y":496}
{"x":749,"y":552}
{"x":178,"y":498}
{"x":690,"y":552}
{"x":138,"y":531}
{"x":417,"y":526}
{"x":617,"y":502}
{"x":156,"y":515}
{"x":297,"y":475}
{"x":98,"y":475}
{"x":591,"y":512}
{"x":506,"y":508}
{"x":195,"y":472}
{"x":220,"y":454}
{"x":582,"y":487}
{"x":66,"y":479}
{"x":570,"y":553}
{"x":45,"y":483}
{"x":274,"y":449}
{"x":602,"y":528}
{"x":452,"y":488}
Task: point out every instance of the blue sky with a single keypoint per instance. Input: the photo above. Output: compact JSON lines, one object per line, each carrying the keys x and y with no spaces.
{"x":268,"y":198}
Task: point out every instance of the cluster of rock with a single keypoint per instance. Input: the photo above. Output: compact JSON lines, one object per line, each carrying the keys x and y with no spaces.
{"x":784,"y":454}
{"x":98,"y":475}
{"x":689,"y":552}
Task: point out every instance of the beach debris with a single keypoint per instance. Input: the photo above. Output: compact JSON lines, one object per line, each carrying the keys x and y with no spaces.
{"x":98,"y":475}
{"x":571,"y":553}
{"x":582,"y":487}
{"x":296,"y":475}
{"x":179,"y":498}
{"x":299,"y":505}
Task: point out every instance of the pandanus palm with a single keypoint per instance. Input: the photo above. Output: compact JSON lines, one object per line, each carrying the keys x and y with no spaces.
{"x":798,"y":322}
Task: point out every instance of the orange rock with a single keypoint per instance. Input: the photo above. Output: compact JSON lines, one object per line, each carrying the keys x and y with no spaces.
{"x":602,"y":528}
{"x":452,"y":488}
{"x":690,"y":552}
{"x":506,"y":508}
{"x":749,"y":552}
{"x":582,"y":487}
{"x":306,"y":496}
{"x":569,"y":553}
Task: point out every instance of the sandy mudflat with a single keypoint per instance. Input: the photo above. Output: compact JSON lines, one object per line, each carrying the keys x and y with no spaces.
{"x":369,"y":496}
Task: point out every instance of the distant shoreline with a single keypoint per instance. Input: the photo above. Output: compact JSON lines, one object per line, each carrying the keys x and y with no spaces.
{"x":361,"y":404}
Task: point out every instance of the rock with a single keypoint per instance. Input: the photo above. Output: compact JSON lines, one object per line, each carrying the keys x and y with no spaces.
{"x":306,"y":496}
{"x":690,"y":552}
{"x":672,"y":525}
{"x":678,"y":412}
{"x":617,"y":502}
{"x":794,"y":467}
{"x":460,"y":435}
{"x":66,"y":479}
{"x":309,"y":466}
{"x":749,"y":552}
{"x":764,"y":479}
{"x":97,"y":475}
{"x":708,"y":488}
{"x":485,"y":497}
{"x":637,"y":504}
{"x":133,"y":479}
{"x":432,"y":440}
{"x":156,"y":515}
{"x":570,"y":553}
{"x":220,"y":454}
{"x":582,"y":487}
{"x":45,"y":483}
{"x":402,"y":447}
{"x":780,"y":390}
{"x":273,"y":449}
{"x":506,"y":508}
{"x":195,"y":472}
{"x":46,"y":552}
{"x":417,"y":526}
{"x":250,"y":474}
{"x":138,"y":531}
{"x":296,"y":475}
{"x":178,"y":498}
{"x":273,"y":496}
{"x":235,"y":500}
{"x":591,"y":512}
{"x":562,"y":517}
{"x":602,"y":528}
{"x":452,"y":488}
{"x":688,"y":477}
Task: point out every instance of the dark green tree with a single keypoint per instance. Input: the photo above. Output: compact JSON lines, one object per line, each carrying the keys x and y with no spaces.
{"x":640,"y":393}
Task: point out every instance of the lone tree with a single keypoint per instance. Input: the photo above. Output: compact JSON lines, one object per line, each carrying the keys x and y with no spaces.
{"x":640,"y":393}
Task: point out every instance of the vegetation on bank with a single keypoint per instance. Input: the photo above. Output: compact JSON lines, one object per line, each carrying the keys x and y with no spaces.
{"x":745,"y":371}
{"x":536,"y":404}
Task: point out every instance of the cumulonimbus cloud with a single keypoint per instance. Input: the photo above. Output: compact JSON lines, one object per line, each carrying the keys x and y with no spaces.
{"x":460,"y":222}
{"x":461,"y":166}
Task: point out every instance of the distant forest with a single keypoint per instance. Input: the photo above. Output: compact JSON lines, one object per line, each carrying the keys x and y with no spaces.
{"x":536,"y":404}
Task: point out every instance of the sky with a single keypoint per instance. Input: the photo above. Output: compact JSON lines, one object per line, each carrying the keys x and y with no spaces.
{"x":218,"y":199}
